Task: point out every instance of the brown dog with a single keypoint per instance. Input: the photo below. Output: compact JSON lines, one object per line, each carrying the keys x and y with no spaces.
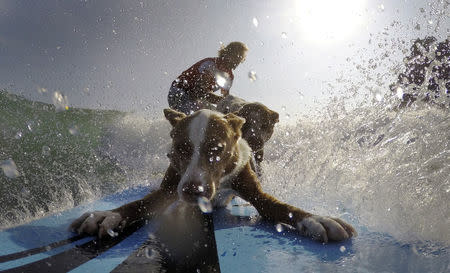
{"x":210,"y":161}
{"x":258,"y":126}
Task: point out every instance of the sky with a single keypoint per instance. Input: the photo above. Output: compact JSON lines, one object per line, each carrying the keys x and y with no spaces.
{"x":124,"y":54}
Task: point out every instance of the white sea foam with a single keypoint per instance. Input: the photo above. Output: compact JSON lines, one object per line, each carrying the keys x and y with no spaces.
{"x":389,"y":171}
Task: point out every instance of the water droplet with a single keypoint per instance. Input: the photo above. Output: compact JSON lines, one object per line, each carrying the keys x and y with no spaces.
{"x":283,"y":35}
{"x":42,"y":90}
{"x":430,"y":22}
{"x":290,"y":215}
{"x":252,"y":76}
{"x":73,"y":130}
{"x":279,"y":227}
{"x":26,"y":192}
{"x":211,"y":159}
{"x":201,"y":189}
{"x":217,"y":158}
{"x":45,"y":150}
{"x":204,"y":204}
{"x":342,"y":249}
{"x":91,"y":215}
{"x":255,"y":22}
{"x":287,"y":133}
{"x":112,"y":233}
{"x":18,"y":135}
{"x":149,"y":253}
{"x":9,"y":168}
{"x":399,"y":92}
{"x":381,"y":7}
{"x":60,"y":101}
{"x":48,"y":248}
{"x":378,"y":97}
{"x":30,"y":126}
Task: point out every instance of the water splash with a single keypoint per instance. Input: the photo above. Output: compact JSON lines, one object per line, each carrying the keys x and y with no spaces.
{"x":204,"y":204}
{"x":255,"y":22}
{"x":279,"y":227}
{"x":112,"y":233}
{"x":74,"y":130}
{"x":388,"y":169}
{"x":252,"y":76}
{"x":45,"y":150}
{"x":9,"y":168}
{"x":60,"y":101}
{"x":150,"y":253}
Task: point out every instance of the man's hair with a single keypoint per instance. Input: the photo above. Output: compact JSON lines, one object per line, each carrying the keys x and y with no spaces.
{"x":233,"y":49}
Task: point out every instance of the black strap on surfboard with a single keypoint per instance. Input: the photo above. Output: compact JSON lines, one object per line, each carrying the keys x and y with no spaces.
{"x":72,"y":258}
{"x":184,"y":244}
{"x":33,"y":251}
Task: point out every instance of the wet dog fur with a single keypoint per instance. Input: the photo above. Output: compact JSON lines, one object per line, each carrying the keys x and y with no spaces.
{"x":258,"y":126}
{"x":210,"y":160}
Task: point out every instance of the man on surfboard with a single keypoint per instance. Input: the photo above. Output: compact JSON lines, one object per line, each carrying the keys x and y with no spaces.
{"x":194,"y":88}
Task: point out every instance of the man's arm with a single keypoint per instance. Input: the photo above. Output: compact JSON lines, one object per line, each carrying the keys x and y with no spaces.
{"x":213,"y":98}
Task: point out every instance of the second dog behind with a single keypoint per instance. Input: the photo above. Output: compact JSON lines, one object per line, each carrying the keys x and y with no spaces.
{"x":258,"y":126}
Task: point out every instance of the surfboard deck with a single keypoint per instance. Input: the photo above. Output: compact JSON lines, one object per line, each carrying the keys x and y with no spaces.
{"x":229,"y":240}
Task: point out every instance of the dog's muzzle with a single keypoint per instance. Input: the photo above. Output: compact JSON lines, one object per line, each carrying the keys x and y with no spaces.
{"x":193,"y":190}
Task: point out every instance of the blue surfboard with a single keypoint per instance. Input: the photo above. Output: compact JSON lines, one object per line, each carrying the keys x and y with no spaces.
{"x":234,"y":239}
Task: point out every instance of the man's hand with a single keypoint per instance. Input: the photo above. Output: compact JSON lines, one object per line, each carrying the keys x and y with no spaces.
{"x":224,"y":92}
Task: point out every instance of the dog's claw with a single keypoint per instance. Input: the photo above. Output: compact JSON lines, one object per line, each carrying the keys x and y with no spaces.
{"x":97,"y":222}
{"x":325,"y":229}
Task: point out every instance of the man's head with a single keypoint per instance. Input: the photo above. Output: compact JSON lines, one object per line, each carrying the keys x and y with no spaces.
{"x":204,"y":150}
{"x":233,"y":54}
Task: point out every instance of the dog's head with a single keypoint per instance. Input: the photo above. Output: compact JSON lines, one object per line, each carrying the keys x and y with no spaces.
{"x":204,"y":150}
{"x":259,"y":123}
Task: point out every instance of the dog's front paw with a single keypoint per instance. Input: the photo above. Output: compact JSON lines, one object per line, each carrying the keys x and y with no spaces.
{"x":325,"y":229}
{"x":98,"y":222}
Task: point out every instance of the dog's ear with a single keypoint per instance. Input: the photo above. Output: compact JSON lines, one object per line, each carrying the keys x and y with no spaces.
{"x":275,"y":117}
{"x":173,"y":116}
{"x":235,"y":121}
{"x":244,"y":111}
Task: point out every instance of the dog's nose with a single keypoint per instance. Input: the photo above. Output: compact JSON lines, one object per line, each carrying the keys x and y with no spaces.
{"x":195,"y":189}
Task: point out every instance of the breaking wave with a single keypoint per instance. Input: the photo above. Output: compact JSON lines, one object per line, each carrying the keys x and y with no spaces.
{"x":387,"y":170}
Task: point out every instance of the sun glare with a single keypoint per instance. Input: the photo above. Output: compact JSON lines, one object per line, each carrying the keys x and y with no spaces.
{"x":325,"y":21}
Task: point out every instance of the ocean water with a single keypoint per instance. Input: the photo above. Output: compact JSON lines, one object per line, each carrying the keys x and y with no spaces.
{"x":388,"y":170}
{"x":52,"y":159}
